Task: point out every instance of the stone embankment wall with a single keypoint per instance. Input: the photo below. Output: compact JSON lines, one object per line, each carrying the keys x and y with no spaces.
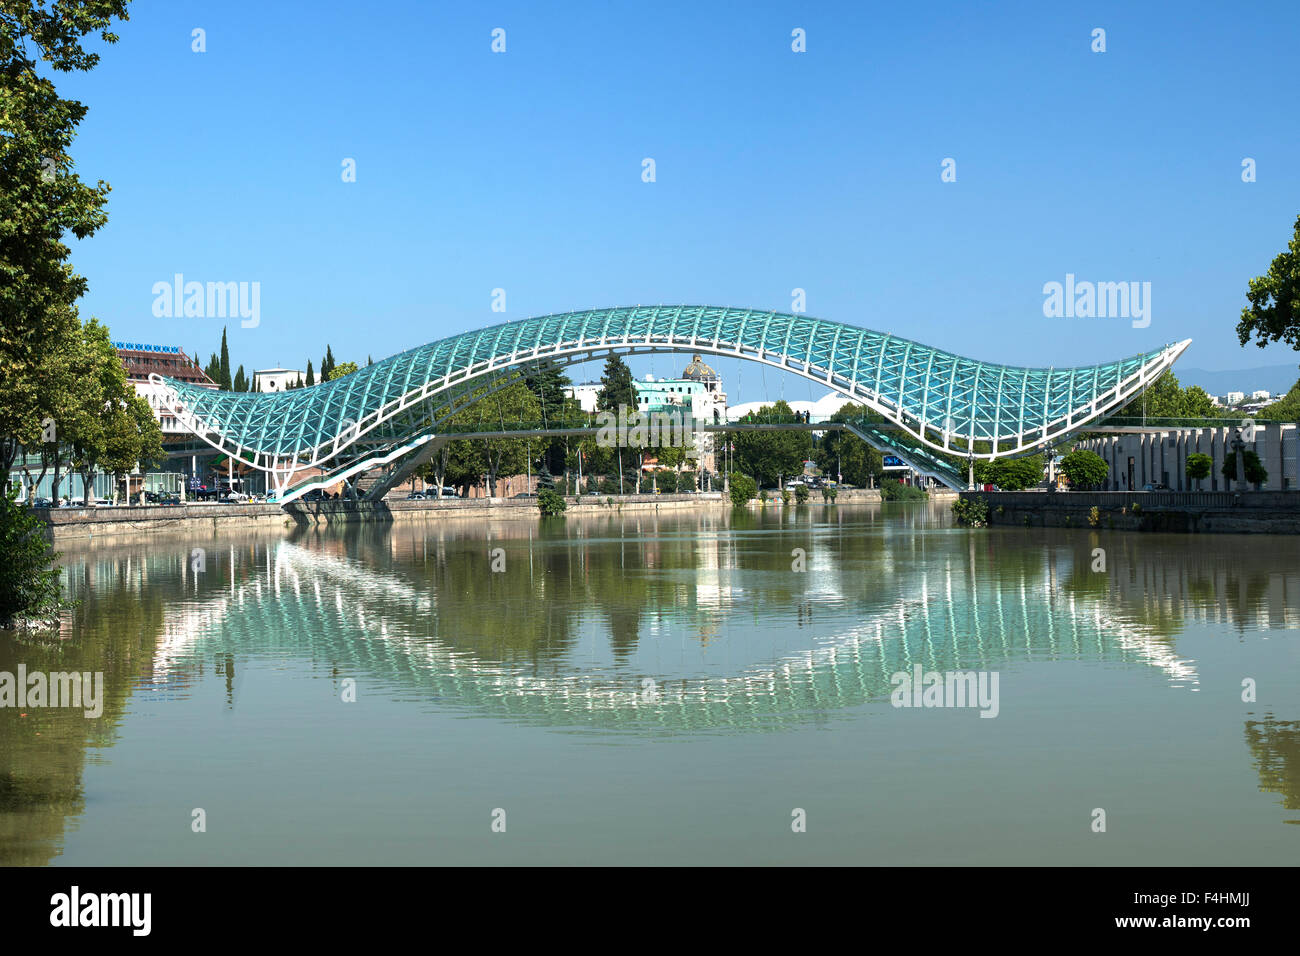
{"x":1206,"y":512}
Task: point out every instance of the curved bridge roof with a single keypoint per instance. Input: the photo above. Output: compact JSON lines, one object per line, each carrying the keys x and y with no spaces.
{"x":934,"y":395}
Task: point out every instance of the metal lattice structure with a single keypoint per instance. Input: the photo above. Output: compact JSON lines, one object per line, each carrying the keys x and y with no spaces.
{"x":937,"y":402}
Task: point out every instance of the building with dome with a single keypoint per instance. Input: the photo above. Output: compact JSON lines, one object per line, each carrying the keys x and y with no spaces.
{"x":697,"y":393}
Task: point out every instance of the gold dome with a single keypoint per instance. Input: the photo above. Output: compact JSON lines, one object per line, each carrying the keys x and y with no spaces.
{"x":697,"y":371}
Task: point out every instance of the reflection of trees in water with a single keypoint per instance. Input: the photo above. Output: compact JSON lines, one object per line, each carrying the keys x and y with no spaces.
{"x":1275,"y":746}
{"x":42,"y":754}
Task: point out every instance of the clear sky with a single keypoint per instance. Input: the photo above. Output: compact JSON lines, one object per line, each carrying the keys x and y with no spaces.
{"x":775,"y":170}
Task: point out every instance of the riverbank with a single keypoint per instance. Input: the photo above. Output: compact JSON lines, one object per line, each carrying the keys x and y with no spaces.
{"x":71,"y":524}
{"x":1189,"y":512}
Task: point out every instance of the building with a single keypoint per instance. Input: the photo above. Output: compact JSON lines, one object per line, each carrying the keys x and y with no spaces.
{"x":1160,"y":457}
{"x":1233,"y":398}
{"x":585,"y":394}
{"x":277,"y":379}
{"x":1260,"y":395}
{"x":820,"y":410}
{"x":697,"y":393}
{"x":169,"y":361}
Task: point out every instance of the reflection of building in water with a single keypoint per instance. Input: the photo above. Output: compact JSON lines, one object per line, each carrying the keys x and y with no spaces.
{"x":1275,"y":745}
{"x":1207,"y":587}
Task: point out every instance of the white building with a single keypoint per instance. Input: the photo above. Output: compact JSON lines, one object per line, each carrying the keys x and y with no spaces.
{"x":1233,"y":398}
{"x":823,"y":408}
{"x":276,"y":379}
{"x":1260,"y":394}
{"x":585,"y":394}
{"x":698,"y":392}
{"x":170,"y":361}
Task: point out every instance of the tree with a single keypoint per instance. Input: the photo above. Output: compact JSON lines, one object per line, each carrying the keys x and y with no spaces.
{"x":1255,"y":472}
{"x":103,"y":392}
{"x":224,"y":381}
{"x":617,"y":391}
{"x":771,"y":455}
{"x":1274,"y":311}
{"x":241,"y":382}
{"x":550,"y":502}
{"x":1164,"y":398}
{"x":326,"y":364}
{"x":1198,"y":467}
{"x":1286,"y":408}
{"x":549,"y":383}
{"x":841,"y":452}
{"x":131,"y":437}
{"x":1198,"y":404}
{"x":616,"y":386}
{"x":29,"y":583}
{"x":743,"y":488}
{"x":311,"y":376}
{"x":1084,"y":468}
{"x":41,"y":199}
{"x":337,"y":371}
{"x":493,"y":457}
{"x":1010,"y":474}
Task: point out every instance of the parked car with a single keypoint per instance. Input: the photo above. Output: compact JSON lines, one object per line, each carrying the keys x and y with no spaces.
{"x":39,"y":503}
{"x":1155,"y":486}
{"x":416,"y":496}
{"x":444,"y":492}
{"x":524,"y":494}
{"x":314,"y":495}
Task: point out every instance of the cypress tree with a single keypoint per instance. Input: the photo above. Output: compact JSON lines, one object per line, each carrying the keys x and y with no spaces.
{"x":311,"y":378}
{"x":224,"y":382}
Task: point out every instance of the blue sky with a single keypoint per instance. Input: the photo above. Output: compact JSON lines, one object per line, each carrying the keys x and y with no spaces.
{"x":775,"y":170}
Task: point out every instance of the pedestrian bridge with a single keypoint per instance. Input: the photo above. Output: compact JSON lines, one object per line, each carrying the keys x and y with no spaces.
{"x":395,"y":413}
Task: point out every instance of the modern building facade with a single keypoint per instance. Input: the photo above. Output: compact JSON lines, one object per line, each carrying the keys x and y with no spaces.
{"x":1136,"y":458}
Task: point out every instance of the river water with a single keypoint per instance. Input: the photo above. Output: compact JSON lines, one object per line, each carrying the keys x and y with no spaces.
{"x":709,"y":687}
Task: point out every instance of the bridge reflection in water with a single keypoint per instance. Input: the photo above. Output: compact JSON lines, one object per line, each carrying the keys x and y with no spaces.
{"x":517,"y":645}
{"x":705,"y":607}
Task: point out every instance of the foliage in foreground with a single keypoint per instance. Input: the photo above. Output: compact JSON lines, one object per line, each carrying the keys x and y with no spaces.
{"x":550,"y":502}
{"x":972,"y":512}
{"x":1198,"y":466}
{"x":1256,"y":474}
{"x":29,"y":583}
{"x":743,"y":488}
{"x":1010,"y":474}
{"x":891,"y":489}
{"x":1084,"y":468}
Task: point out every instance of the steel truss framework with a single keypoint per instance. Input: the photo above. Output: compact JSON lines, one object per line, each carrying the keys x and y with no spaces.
{"x":393,"y":409}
